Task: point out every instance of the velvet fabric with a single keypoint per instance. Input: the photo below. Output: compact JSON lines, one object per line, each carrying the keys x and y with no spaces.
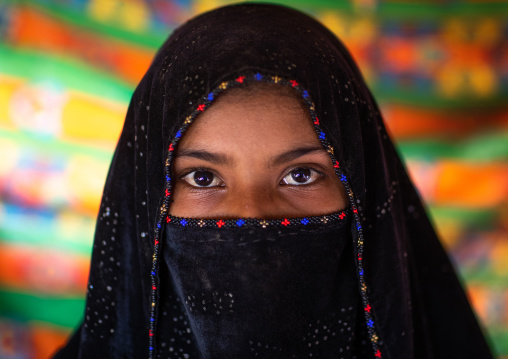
{"x":274,"y":292}
{"x":415,"y":299}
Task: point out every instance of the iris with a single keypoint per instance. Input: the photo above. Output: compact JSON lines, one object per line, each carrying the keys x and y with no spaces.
{"x":203,"y":178}
{"x":301,"y":175}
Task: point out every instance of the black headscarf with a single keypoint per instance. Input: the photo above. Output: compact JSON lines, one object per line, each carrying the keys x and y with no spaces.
{"x":393,"y":284}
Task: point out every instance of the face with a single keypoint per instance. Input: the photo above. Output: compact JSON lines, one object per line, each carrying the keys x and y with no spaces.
{"x":254,"y":154}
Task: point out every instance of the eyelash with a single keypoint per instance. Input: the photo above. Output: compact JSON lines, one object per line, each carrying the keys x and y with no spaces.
{"x":189,"y":172}
{"x":314,"y":173}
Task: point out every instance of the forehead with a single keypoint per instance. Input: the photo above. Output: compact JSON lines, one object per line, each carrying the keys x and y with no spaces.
{"x":260,"y":118}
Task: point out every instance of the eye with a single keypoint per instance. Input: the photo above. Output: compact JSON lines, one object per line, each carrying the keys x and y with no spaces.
{"x":202,"y":178}
{"x":301,"y":176}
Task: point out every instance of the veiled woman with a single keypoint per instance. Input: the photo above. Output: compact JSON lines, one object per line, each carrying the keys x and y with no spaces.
{"x":256,"y":207}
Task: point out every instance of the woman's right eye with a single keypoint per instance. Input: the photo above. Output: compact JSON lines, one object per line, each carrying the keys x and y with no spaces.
{"x":202,"y":178}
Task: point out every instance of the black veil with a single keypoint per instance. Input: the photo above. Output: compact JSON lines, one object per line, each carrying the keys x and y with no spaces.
{"x":416,"y":304}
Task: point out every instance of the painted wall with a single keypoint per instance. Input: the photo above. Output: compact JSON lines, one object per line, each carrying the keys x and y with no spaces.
{"x":439,"y":70}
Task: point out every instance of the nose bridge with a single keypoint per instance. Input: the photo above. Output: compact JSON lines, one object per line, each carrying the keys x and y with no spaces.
{"x":255,"y":201}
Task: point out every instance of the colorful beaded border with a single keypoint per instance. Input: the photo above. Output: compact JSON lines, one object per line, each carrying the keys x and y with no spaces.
{"x":205,"y":102}
{"x":254,"y":222}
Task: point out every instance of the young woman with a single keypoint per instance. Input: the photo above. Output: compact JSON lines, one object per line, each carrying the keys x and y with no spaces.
{"x":256,"y":207}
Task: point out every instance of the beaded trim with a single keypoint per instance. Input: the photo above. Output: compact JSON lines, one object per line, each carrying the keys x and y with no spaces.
{"x":254,"y":222}
{"x":205,"y":103}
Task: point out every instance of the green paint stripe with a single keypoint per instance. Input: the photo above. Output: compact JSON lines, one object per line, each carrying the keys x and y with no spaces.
{"x":80,"y":245}
{"x":486,"y":147}
{"x":75,"y":74}
{"x":65,"y":312}
{"x":74,"y":18}
{"x":385,"y":10}
{"x":492,"y":146}
{"x":432,"y":100}
{"x":47,"y":235}
{"x":499,"y":337}
{"x":63,"y":72}
{"x":473,"y":218}
{"x":55,"y":147}
{"x":484,"y":276}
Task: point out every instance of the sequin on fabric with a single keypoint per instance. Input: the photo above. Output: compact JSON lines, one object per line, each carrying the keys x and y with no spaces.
{"x":205,"y":103}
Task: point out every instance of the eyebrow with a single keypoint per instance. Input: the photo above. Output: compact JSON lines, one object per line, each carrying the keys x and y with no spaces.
{"x":222,"y":159}
{"x":215,"y":158}
{"x":294,"y":154}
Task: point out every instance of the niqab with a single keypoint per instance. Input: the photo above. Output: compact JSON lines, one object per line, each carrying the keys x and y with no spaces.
{"x":407,"y":301}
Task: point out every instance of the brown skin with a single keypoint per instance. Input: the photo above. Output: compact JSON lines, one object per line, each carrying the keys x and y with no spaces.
{"x":257,"y":156}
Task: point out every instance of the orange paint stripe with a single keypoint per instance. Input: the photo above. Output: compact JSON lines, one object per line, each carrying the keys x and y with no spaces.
{"x":406,"y":122}
{"x":47,"y":339}
{"x":42,"y":32}
{"x":461,"y":184}
{"x":472,"y":185}
{"x":45,"y":271}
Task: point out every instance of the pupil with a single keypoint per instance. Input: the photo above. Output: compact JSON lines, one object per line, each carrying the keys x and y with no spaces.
{"x":301,"y":175}
{"x":203,"y":178}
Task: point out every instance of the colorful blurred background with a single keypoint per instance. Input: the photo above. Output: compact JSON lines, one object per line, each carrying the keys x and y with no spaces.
{"x":439,"y":70}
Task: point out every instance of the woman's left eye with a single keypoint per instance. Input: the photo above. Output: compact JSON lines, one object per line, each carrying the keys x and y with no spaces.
{"x":301,"y":176}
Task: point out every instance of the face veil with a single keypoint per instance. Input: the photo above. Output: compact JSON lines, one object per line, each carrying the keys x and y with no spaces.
{"x":248,"y":291}
{"x":405,"y":297}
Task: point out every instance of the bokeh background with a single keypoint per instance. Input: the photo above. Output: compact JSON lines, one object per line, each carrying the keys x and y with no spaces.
{"x":439,"y":70}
